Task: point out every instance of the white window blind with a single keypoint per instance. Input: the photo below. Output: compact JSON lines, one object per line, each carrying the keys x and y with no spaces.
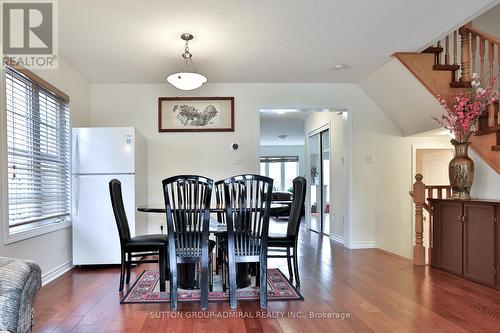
{"x":38,"y":153}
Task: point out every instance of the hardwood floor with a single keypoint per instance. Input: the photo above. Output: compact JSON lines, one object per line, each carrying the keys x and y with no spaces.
{"x":380,"y":293}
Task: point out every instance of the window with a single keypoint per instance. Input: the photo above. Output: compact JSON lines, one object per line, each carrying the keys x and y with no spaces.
{"x":38,"y":152}
{"x":283,"y":169}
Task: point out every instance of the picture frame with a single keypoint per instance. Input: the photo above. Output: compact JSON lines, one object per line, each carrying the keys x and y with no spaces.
{"x":195,"y":114}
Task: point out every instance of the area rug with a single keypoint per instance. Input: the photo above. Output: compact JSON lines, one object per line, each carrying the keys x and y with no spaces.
{"x":146,"y":290}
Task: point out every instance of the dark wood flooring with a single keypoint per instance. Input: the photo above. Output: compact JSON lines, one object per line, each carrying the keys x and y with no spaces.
{"x":380,"y":293}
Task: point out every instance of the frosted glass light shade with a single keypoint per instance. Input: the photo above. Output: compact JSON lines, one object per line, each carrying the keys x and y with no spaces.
{"x":186,"y":80}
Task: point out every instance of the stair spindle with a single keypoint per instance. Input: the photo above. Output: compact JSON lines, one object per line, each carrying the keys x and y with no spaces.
{"x":481,"y":57}
{"x":491,"y":56}
{"x":464,"y":55}
{"x":455,"y":48}
{"x":447,"y":47}
{"x":437,"y":58}
{"x":473,"y":51}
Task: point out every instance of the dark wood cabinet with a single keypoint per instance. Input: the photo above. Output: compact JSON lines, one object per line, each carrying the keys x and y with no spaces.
{"x":448,"y":234}
{"x":466,"y":238}
{"x":479,"y":243}
{"x":497,"y":245}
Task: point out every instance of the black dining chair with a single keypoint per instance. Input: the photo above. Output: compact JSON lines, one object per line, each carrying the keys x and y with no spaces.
{"x":286,"y":245}
{"x":138,"y":246}
{"x":187,"y":203}
{"x":248,"y":201}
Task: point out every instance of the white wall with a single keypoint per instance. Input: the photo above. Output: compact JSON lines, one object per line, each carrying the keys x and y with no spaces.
{"x":52,"y":250}
{"x":489,"y":22}
{"x":299,"y":151}
{"x":209,"y":153}
{"x":395,"y":230}
{"x":402,"y":97}
{"x":486,"y":180}
{"x":380,"y":207}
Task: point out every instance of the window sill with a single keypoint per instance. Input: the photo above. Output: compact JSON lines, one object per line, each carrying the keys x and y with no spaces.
{"x":22,"y":235}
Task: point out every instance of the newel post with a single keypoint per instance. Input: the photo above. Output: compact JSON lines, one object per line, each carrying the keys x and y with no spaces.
{"x":465,"y":54}
{"x":419,"y":200}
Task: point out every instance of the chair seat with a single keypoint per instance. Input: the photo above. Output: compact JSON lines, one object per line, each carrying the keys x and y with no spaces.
{"x":280,"y":240}
{"x":147,"y":241}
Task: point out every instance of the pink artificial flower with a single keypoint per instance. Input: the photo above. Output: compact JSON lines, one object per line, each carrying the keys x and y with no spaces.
{"x":461,"y":119}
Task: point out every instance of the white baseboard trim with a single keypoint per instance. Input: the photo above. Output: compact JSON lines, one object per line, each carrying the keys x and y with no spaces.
{"x":56,"y":272}
{"x":362,"y":245}
{"x":337,"y":238}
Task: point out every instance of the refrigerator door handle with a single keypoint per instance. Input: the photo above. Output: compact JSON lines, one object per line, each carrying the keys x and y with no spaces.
{"x":76,"y":170}
{"x":77,"y":153}
{"x":76,"y":195}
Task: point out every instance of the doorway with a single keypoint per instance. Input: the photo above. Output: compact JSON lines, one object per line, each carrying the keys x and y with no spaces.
{"x":319,"y":155}
{"x":432,"y":164}
{"x":319,"y":136}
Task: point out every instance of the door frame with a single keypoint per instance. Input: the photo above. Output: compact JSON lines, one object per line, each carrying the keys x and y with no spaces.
{"x":414,"y":148}
{"x":326,"y":126}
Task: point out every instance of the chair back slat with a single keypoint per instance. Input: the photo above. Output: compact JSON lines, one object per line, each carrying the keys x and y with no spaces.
{"x":115,"y":191}
{"x":298,"y":202}
{"x":187,"y":203}
{"x":220,"y":201}
{"x":248,"y":202}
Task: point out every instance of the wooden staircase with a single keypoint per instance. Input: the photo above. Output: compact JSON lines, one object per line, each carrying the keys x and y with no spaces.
{"x":446,"y":68}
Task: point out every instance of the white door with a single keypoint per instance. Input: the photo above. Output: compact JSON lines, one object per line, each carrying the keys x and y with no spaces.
{"x":95,"y":235}
{"x":434,"y":165}
{"x":103,"y":150}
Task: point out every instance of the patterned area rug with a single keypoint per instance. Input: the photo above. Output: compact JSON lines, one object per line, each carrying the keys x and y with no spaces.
{"x":146,"y":290}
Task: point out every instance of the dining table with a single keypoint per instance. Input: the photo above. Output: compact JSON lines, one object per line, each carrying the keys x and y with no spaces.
{"x":186,"y":273}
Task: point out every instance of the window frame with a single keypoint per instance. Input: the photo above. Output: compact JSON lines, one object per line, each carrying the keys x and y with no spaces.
{"x":282,"y":160}
{"x":35,"y":229}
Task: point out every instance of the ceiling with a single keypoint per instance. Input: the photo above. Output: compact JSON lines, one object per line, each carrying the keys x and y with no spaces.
{"x":130,"y":41}
{"x":291,"y":124}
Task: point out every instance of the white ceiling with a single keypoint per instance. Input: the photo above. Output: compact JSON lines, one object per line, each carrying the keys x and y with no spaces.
{"x":291,"y":124}
{"x":117,"y":41}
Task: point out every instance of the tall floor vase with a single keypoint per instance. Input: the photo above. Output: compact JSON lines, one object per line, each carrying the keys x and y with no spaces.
{"x":461,"y":171}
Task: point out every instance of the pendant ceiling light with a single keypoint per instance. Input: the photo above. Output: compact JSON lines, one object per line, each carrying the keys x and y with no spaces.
{"x":187,"y":80}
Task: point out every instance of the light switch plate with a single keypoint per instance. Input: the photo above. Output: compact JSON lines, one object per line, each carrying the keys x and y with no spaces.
{"x":238,"y":158}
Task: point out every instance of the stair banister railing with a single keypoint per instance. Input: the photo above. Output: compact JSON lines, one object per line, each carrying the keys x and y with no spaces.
{"x":490,"y":42}
{"x":469,"y":50}
{"x":420,"y":193}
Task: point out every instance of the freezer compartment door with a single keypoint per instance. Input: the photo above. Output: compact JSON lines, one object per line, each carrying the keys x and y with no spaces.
{"x":103,"y":150}
{"x":95,"y":235}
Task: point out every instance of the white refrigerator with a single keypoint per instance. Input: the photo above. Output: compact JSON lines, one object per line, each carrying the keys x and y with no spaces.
{"x":100,"y":154}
